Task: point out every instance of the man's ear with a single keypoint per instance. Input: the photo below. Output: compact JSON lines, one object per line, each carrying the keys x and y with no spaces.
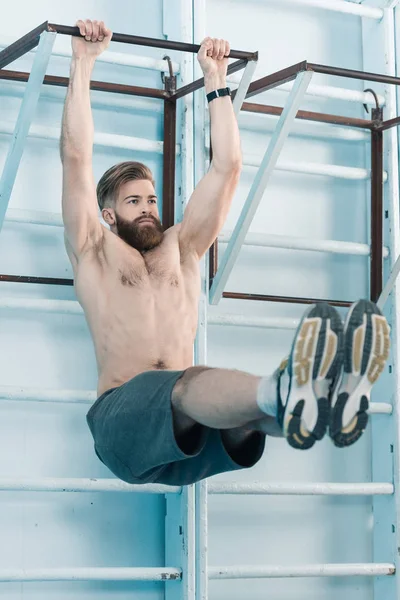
{"x":108,"y":215}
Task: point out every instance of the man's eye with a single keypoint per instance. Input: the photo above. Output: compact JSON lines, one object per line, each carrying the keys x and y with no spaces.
{"x":153,"y":201}
{"x":134,"y":201}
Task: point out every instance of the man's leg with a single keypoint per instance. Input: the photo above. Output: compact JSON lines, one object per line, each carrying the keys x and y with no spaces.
{"x":217,"y":398}
{"x":297,"y":397}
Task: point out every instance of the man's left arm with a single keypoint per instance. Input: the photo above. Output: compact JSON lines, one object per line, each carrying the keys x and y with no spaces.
{"x":209,"y":204}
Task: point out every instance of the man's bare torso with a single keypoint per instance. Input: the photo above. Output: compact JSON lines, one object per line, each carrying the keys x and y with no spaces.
{"x":141,"y":310}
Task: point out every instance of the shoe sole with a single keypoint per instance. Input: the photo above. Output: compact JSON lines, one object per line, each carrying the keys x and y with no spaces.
{"x":366,"y":350}
{"x":316,"y":355}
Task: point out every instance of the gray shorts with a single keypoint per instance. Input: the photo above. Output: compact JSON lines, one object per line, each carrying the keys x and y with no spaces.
{"x":133,"y":432}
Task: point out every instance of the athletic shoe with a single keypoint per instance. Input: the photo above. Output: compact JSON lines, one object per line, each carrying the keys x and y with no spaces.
{"x":304,"y":383}
{"x":366,"y":350}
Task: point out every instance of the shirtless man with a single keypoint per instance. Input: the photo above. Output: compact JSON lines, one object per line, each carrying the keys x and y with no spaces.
{"x":158,"y":418}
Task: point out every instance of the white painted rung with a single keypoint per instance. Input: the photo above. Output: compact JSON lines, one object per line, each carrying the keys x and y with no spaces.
{"x":26,"y":394}
{"x":323,"y":91}
{"x":298,"y":243}
{"x":259,"y":322}
{"x":114,"y":58}
{"x":328,"y":570}
{"x":63,"y":307}
{"x":302,"y":489}
{"x":34,"y":217}
{"x":342,"y":6}
{"x":30,"y":217}
{"x":70,"y":484}
{"x":92,"y":574}
{"x":341,"y":172}
{"x":380,"y":408}
{"x":110,"y":140}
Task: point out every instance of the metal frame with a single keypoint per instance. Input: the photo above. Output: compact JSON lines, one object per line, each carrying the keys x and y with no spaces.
{"x":219,"y":276}
{"x":169,"y":95}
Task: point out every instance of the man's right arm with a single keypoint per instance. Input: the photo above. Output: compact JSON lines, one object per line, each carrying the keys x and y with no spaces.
{"x":79,"y":202}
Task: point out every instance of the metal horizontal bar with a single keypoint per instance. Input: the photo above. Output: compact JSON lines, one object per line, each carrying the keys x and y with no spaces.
{"x":28,"y":394}
{"x":310,"y":168}
{"x":98,"y":100}
{"x":101,"y":86}
{"x":341,"y":6}
{"x":301,"y":489}
{"x":36,"y":280}
{"x":21,"y":46}
{"x":389,"y":124}
{"x":283,"y":299}
{"x":275,"y":79}
{"x":330,"y":92}
{"x":92,"y":574}
{"x":75,"y":484}
{"x":288,"y":242}
{"x":310,"y":129}
{"x":110,"y":140}
{"x":354,"y":74}
{"x":322,"y":570}
{"x":114,"y":58}
{"x":151,"y":42}
{"x":309,"y":116}
{"x":199,"y":83}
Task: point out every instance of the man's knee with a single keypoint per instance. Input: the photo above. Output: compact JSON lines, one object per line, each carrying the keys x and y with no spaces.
{"x":182,"y":385}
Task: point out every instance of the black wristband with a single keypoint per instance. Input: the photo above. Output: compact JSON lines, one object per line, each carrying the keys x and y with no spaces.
{"x":218,"y":93}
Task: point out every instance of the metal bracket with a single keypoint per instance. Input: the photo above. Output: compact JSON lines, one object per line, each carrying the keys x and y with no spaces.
{"x":377,"y":112}
{"x":169,"y":81}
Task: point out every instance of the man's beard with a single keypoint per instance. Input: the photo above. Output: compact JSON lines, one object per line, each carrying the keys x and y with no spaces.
{"x":140,"y":237}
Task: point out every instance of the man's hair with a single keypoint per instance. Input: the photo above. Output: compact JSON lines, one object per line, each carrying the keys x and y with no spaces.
{"x":110,"y":183}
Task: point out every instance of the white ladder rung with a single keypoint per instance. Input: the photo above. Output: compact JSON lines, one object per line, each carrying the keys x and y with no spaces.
{"x":301,"y":489}
{"x":27,"y":394}
{"x":322,"y":570}
{"x":92,"y":574}
{"x":77,"y":484}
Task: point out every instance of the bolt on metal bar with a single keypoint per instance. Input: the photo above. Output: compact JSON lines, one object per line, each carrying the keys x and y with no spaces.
{"x":21,"y":46}
{"x":151,"y":42}
{"x":259,"y":186}
{"x":25,"y":116}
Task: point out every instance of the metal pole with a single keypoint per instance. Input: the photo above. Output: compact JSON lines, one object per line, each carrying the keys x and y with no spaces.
{"x":151,"y":42}
{"x":168,"y":211}
{"x":376,"y":215}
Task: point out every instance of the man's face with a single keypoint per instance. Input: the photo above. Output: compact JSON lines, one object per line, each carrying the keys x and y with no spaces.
{"x":136,"y":215}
